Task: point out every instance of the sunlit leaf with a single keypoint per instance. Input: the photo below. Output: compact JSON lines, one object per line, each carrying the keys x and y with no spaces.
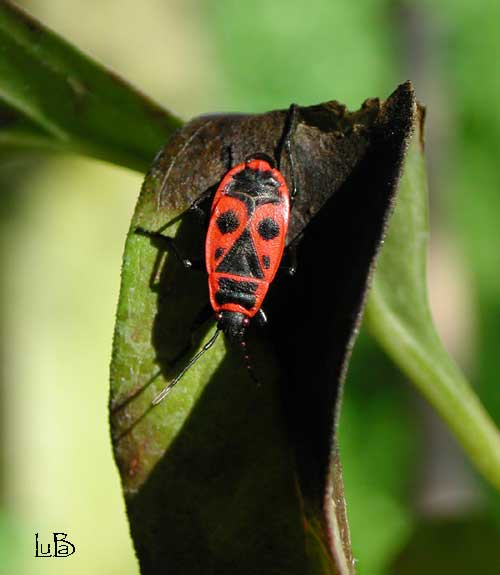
{"x":56,"y":98}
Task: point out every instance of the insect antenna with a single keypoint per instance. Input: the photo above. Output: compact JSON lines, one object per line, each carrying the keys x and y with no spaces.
{"x":166,"y":390}
{"x":248,"y":361}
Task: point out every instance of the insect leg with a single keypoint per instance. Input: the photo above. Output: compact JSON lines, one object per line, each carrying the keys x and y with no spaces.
{"x":166,"y":243}
{"x":205,"y":313}
{"x":261,"y":317}
{"x":290,"y":267}
{"x":197,"y":208}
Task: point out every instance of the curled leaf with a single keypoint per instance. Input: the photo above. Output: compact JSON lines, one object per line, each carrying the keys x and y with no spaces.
{"x":227,"y":476}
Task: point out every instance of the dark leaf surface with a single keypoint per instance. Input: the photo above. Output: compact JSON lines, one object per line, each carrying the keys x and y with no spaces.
{"x":227,"y":476}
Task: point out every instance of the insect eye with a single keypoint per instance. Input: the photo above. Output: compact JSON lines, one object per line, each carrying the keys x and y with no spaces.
{"x":268,"y":229}
{"x":228,"y":222}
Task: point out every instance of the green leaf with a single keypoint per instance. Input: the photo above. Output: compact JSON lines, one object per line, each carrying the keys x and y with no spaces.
{"x":227,"y":476}
{"x":378,"y":443}
{"x":399,"y":316}
{"x":56,"y":98}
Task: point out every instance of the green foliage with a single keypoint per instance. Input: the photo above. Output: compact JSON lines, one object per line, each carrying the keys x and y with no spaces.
{"x":379,"y":446}
{"x":471,"y":183}
{"x":70,"y":102}
{"x":10,"y":547}
{"x":312,"y":50}
{"x":398,"y":315}
{"x":450,"y":545}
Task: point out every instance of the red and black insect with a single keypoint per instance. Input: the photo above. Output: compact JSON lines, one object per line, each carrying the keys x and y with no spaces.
{"x":244,"y":243}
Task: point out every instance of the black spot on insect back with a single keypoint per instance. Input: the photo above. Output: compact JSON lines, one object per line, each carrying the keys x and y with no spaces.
{"x":268,"y":229}
{"x":228,"y":222}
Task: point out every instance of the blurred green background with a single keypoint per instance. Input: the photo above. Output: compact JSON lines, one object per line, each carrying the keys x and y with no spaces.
{"x":414,"y":503}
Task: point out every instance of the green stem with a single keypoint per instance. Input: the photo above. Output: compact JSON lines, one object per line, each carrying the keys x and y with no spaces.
{"x":443,"y":385}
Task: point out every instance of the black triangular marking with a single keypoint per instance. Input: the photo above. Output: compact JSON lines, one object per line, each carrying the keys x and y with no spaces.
{"x":242,"y":259}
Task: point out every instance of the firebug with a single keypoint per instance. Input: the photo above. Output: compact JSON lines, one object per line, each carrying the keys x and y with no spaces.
{"x":244,"y":243}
